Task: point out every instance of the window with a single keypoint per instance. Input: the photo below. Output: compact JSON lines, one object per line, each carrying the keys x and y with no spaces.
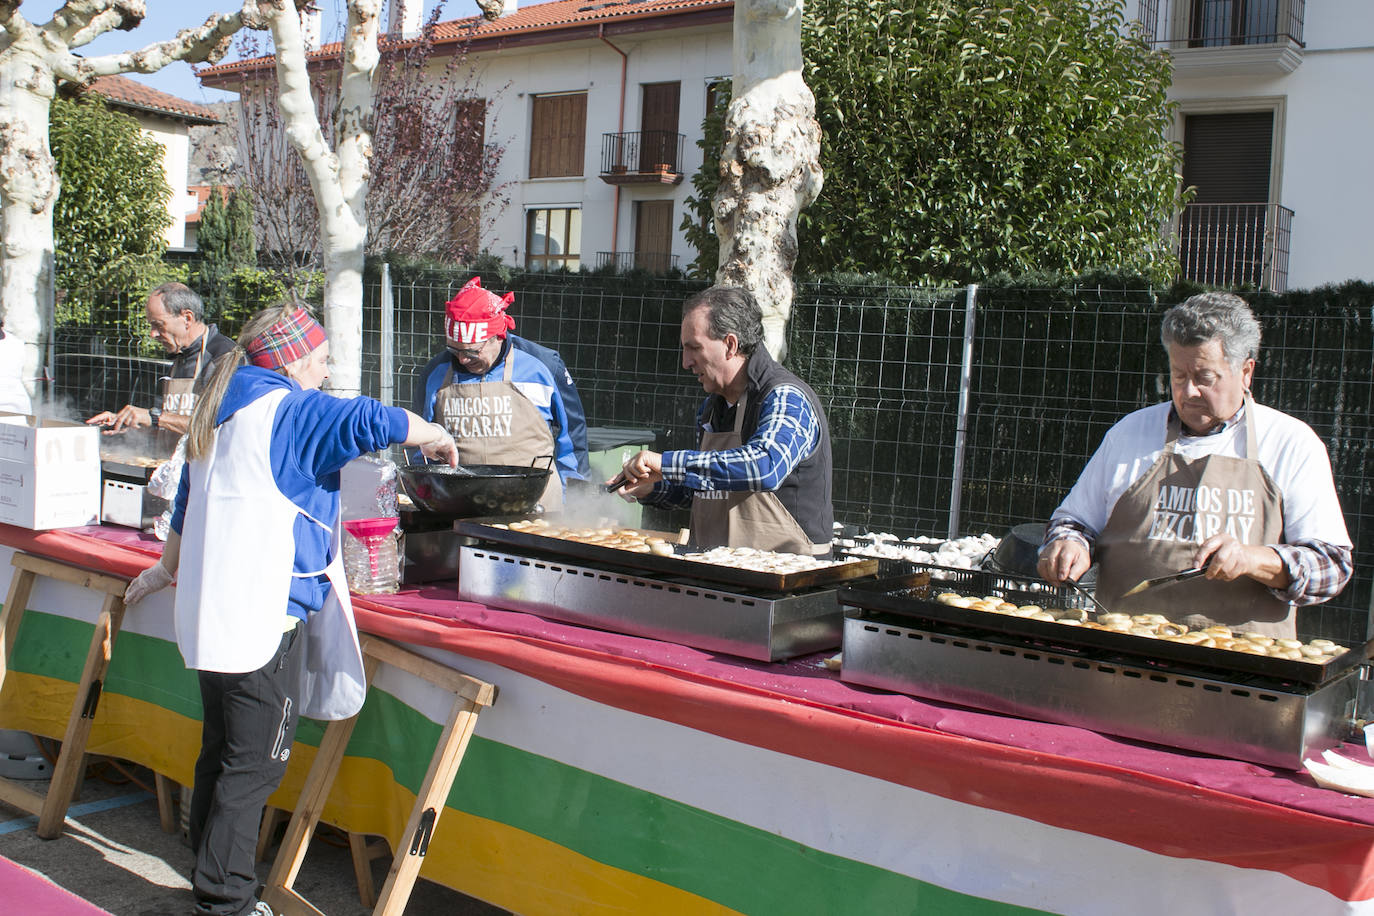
{"x":658,"y":122}
{"x":654,"y":235}
{"x":558,"y":135}
{"x":470,"y":142}
{"x":1217,"y":23}
{"x":1233,"y":233}
{"x":553,"y":238}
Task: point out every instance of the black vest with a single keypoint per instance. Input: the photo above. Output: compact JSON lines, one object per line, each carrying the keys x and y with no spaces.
{"x":806,"y":493}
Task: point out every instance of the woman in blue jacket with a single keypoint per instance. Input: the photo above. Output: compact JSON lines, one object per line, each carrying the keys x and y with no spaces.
{"x":262,"y":608}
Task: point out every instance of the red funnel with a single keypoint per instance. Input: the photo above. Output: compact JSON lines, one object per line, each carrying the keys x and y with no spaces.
{"x":369,"y":527}
{"x":370,"y":532}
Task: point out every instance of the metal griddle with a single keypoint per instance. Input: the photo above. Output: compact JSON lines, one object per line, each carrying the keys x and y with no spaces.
{"x":125,"y":470}
{"x":716,"y":618}
{"x":911,"y":597}
{"x":668,"y":566}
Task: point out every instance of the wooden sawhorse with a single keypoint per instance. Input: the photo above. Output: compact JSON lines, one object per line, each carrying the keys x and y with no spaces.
{"x":470,"y":697}
{"x":51,"y":809}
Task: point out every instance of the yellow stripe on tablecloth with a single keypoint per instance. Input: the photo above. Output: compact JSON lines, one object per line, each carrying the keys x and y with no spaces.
{"x":164,"y":741}
{"x":495,"y":862}
{"x":482,"y":858}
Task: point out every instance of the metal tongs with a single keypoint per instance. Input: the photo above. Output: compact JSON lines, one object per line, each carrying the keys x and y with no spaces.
{"x":1073,"y":584}
{"x":616,"y":483}
{"x":1165,"y":580}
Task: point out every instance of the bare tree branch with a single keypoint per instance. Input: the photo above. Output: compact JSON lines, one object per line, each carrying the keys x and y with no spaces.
{"x":31,"y":61}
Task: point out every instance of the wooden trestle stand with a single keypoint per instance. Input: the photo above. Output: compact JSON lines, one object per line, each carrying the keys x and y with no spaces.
{"x":470,"y":696}
{"x":51,"y":809}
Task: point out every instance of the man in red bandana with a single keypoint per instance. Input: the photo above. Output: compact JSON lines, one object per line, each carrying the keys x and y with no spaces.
{"x":504,"y":399}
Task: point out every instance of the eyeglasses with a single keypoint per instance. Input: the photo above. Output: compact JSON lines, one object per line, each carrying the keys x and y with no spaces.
{"x":469,"y":352}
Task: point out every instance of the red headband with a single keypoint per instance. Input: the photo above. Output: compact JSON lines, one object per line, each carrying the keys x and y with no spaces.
{"x":475,"y":315}
{"x":287,"y":340}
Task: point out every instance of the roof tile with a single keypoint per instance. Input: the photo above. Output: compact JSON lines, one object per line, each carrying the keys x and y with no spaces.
{"x":124,"y":91}
{"x":525,"y":21}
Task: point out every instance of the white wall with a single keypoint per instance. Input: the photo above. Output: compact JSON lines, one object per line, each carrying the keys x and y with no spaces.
{"x":1327,"y":140}
{"x":176,"y":144}
{"x":690,"y":55}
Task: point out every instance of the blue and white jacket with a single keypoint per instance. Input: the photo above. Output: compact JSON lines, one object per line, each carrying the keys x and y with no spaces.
{"x":314,"y":435}
{"x":535,"y":381}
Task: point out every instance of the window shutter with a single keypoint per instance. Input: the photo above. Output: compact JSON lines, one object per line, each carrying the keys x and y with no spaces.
{"x":658,"y":121}
{"x":654,"y":235}
{"x":1226,"y":156}
{"x":558,"y":135}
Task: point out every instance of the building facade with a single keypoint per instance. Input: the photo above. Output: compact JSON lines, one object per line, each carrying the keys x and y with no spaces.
{"x":1276,"y":132}
{"x":599,"y":109}
{"x":168,"y":120}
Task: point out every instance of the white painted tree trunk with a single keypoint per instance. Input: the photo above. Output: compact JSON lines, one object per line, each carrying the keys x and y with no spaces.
{"x":770,"y":163}
{"x":32,"y":58}
{"x":338,"y":177}
{"x":28,"y":190}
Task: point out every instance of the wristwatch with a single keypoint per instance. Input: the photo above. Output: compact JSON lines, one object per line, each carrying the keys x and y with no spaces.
{"x":155,"y":415}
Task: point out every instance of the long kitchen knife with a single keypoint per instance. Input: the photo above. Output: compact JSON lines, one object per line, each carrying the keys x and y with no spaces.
{"x":1165,"y":580}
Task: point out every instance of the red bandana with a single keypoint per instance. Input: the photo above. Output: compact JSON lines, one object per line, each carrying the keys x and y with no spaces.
{"x":475,"y":315}
{"x":287,"y":340}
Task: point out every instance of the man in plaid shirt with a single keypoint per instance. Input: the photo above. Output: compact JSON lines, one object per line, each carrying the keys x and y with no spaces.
{"x":761,"y":476}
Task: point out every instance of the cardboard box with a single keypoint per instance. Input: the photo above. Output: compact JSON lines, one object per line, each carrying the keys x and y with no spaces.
{"x":49,"y":472}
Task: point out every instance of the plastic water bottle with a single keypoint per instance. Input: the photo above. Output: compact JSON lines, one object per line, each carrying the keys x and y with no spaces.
{"x":371,"y":561}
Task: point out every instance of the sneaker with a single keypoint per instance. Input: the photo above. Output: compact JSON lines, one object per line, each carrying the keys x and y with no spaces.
{"x":262,"y":909}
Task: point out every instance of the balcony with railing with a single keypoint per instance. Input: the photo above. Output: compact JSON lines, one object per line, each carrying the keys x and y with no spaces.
{"x":1226,"y":37}
{"x":1235,"y":245}
{"x":655,"y":262}
{"x":642,"y":157}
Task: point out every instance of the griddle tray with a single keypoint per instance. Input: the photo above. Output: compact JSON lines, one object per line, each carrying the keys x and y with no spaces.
{"x":907,"y":596}
{"x":669,"y":566}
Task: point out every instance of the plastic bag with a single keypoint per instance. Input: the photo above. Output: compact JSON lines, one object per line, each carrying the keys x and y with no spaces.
{"x":166,"y":476}
{"x":163,"y":483}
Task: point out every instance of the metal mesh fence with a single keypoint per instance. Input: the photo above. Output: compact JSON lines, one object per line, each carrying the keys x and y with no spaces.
{"x":1050,"y":371}
{"x":104,"y":360}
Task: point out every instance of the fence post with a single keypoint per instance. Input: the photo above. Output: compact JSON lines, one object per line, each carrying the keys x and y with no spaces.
{"x":48,"y":369}
{"x":961,"y":419}
{"x":387,"y":345}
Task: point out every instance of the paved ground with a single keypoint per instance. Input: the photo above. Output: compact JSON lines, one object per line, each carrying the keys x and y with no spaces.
{"x":114,"y":854}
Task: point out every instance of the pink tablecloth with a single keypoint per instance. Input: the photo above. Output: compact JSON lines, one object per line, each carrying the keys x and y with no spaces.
{"x":807,"y":678}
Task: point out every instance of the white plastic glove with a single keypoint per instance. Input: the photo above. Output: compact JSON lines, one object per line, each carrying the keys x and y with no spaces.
{"x":441,"y":446}
{"x":153,"y":579}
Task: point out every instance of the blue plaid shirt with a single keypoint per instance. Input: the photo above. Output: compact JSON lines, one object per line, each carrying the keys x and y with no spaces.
{"x":788,"y":432}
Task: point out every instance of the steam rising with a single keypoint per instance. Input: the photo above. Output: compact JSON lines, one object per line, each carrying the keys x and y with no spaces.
{"x":595,"y":508}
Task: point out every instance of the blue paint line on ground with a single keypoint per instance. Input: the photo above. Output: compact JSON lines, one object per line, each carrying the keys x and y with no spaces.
{"x":107,"y":804}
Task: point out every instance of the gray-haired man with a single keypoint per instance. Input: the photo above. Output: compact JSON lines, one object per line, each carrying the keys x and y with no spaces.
{"x":1208,"y":479}
{"x":176,"y":320}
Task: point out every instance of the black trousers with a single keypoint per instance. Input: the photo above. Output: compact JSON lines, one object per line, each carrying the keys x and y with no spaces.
{"x":249,"y":726}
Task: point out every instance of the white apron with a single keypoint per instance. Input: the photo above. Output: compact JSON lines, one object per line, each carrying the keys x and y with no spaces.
{"x":234,"y":576}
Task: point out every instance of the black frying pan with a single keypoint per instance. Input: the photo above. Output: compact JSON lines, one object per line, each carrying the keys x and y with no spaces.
{"x":476,"y":489}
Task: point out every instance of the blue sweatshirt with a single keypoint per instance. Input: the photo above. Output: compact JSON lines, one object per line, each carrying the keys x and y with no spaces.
{"x":313,"y":436}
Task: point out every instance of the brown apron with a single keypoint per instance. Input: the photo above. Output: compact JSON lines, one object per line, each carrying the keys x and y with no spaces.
{"x":1157,"y":524}
{"x":494,"y":423}
{"x":743,"y":518}
{"x":179,"y":397}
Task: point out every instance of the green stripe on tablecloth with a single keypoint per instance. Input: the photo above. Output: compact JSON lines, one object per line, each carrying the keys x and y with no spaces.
{"x":739,"y":866}
{"x":55,"y":646}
